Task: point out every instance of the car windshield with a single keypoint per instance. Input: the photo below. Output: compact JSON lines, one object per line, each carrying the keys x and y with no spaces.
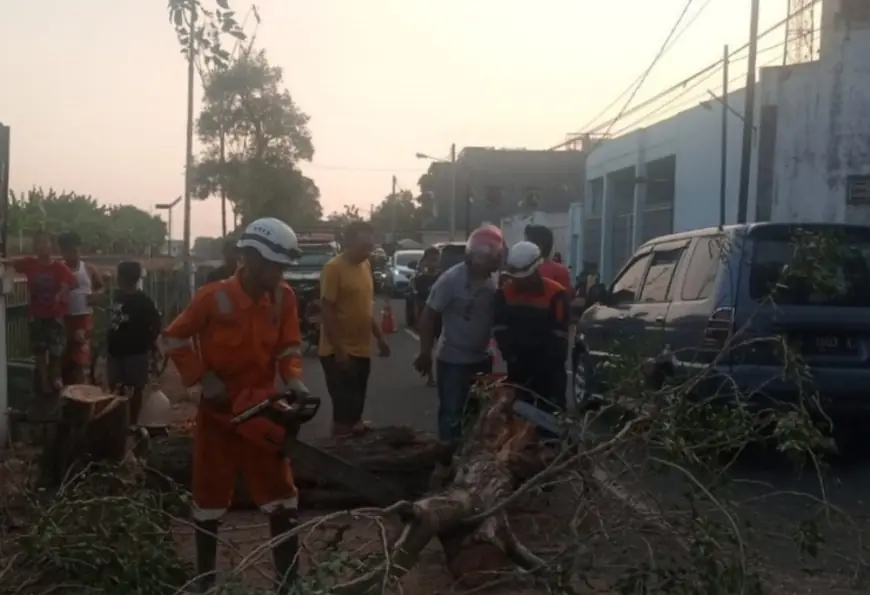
{"x":407,"y":256}
{"x":783,"y":269}
{"x":313,"y":256}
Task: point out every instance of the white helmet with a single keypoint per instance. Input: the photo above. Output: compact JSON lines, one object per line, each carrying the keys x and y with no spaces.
{"x":523,"y":259}
{"x":273,"y":239}
{"x":156,"y":411}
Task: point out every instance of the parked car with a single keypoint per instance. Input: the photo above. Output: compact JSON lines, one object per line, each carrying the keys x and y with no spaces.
{"x":400,"y":269}
{"x":682,"y":297}
{"x":450,"y":254}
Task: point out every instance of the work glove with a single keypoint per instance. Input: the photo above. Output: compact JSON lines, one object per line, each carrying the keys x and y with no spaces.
{"x":212,"y":388}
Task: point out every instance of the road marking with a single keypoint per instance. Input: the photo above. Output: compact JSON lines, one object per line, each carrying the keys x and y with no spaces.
{"x":413,"y":334}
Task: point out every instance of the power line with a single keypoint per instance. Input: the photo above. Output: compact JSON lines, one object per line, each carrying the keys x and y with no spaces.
{"x":703,"y":71}
{"x":661,"y":108}
{"x":651,"y":66}
{"x":637,"y":81}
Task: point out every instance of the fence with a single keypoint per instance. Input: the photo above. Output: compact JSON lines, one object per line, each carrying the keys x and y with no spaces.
{"x":164,"y":287}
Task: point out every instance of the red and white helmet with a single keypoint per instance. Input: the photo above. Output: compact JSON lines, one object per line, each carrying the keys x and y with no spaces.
{"x":486,"y":242}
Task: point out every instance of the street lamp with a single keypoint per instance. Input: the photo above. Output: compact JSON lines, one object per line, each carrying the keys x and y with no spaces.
{"x":452,"y":162}
{"x":168,"y":206}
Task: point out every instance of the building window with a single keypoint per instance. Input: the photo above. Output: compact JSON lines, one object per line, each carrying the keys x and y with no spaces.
{"x":858,"y":191}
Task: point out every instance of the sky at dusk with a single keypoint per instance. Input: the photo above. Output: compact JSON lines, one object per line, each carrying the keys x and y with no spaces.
{"x":94,"y":90}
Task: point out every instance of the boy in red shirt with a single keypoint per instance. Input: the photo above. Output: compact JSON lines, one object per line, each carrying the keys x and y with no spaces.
{"x":48,"y":282}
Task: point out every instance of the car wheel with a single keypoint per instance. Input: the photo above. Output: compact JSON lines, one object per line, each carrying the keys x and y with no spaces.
{"x":583,"y":398}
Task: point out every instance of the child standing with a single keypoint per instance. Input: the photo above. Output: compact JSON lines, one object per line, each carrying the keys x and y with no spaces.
{"x":48,"y":284}
{"x":134,"y":326}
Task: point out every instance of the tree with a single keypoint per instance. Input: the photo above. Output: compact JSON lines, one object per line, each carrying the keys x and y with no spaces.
{"x":408,"y":210}
{"x":114,"y":229}
{"x":348,"y":215}
{"x":264,"y":135}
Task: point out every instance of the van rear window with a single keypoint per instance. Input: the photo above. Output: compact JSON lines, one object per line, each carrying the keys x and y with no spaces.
{"x":822,"y":268}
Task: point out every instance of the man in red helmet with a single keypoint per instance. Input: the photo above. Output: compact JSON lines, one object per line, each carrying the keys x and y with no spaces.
{"x":462,"y":300}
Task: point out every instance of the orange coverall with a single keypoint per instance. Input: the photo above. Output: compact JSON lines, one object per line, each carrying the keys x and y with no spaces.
{"x":245,"y":343}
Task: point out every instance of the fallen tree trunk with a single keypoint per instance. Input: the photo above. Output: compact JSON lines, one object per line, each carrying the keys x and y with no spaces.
{"x":401,"y":455}
{"x":468,"y":516}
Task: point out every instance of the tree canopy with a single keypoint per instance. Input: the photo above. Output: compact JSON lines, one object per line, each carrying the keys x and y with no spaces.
{"x":349,"y":214}
{"x":106,"y":229}
{"x":253,"y":135}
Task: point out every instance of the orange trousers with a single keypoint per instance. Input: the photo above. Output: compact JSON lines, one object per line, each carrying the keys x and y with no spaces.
{"x":221,"y":452}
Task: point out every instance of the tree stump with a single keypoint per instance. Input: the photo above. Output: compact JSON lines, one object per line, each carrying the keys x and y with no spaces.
{"x":92,"y":427}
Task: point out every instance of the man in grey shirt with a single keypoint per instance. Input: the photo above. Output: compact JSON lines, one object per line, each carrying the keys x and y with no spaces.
{"x":462,"y":298}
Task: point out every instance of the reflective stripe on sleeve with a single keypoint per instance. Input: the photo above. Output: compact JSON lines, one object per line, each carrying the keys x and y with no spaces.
{"x":224,"y":305}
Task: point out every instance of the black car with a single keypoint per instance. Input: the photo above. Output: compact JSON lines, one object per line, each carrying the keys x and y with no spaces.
{"x":450,"y":254}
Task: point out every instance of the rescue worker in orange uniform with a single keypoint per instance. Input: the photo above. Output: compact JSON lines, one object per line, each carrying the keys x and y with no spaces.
{"x":236,"y":342}
{"x":530,"y":325}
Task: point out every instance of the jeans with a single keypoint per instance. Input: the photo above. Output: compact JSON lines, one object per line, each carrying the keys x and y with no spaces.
{"x":454,"y":383}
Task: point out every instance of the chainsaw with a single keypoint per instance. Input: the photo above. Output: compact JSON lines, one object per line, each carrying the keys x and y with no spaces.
{"x":291,"y":410}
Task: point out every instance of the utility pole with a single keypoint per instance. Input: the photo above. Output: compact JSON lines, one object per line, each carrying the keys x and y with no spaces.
{"x":748,"y":117}
{"x":5,"y":135}
{"x":453,"y":192}
{"x":393,"y":212}
{"x":723,"y":175}
{"x":188,"y":169}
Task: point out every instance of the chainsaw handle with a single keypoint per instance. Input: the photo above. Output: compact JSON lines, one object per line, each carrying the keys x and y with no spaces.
{"x":304,"y":405}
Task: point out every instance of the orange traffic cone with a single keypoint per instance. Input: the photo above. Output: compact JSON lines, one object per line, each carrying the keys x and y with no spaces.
{"x":388,"y":323}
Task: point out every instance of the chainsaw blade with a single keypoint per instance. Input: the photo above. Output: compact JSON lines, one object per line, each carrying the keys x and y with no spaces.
{"x":334,"y":469}
{"x":535,"y":416}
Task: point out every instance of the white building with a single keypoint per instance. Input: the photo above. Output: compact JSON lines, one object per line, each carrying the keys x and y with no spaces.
{"x":810,"y":159}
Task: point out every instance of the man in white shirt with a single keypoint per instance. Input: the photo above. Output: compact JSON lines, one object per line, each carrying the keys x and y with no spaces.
{"x":79,"y":319}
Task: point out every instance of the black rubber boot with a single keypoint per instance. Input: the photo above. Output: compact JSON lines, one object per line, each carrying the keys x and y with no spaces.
{"x":206,"y":554}
{"x":285,"y":554}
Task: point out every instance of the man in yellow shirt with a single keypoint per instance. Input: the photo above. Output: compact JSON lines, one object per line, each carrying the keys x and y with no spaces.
{"x":346,"y":297}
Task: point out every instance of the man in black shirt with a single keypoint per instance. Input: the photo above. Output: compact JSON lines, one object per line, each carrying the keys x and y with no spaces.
{"x":228,"y":268}
{"x":134,"y":326}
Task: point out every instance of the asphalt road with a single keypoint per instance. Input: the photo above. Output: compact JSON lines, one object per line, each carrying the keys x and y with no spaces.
{"x":397,"y":395}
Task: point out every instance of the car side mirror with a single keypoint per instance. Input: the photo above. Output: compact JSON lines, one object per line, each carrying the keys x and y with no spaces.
{"x":597,"y":294}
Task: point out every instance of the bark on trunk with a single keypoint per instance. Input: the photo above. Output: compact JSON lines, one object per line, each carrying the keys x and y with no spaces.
{"x":92,"y":427}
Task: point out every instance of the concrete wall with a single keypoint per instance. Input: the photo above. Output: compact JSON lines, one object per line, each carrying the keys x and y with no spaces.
{"x":823,"y":124}
{"x":694,"y":137}
{"x":513,"y":229}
